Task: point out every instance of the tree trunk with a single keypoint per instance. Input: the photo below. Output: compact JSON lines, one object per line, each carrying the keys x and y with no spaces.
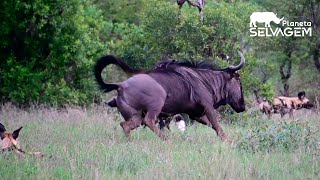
{"x":314,"y":15}
{"x":256,"y":95}
{"x":316,"y":57}
{"x":285,"y":72}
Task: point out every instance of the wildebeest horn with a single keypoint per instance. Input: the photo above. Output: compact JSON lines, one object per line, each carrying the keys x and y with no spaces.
{"x":236,"y":68}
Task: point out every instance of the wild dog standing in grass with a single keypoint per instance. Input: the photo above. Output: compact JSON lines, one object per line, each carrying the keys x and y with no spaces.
{"x":284,"y":105}
{"x":265,"y":107}
{"x":10,"y":143}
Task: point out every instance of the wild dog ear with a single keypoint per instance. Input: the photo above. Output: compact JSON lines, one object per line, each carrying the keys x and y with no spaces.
{"x":301,"y":95}
{"x":15,"y":133}
{"x":2,"y":130}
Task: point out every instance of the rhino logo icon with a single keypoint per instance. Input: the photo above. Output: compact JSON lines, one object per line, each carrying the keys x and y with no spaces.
{"x":264,"y":17}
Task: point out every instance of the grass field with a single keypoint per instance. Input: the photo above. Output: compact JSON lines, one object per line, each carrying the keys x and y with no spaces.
{"x":90,"y":144}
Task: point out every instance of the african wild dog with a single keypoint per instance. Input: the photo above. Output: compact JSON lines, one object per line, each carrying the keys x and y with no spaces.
{"x":10,"y":142}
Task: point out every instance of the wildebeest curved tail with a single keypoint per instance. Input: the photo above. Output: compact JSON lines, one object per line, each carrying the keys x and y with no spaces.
{"x":105,"y":61}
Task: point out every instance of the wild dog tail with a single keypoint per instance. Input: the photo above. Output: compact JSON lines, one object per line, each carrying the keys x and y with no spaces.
{"x":104,"y":62}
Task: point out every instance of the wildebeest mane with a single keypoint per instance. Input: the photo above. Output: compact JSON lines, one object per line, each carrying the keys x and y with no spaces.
{"x":188,"y":64}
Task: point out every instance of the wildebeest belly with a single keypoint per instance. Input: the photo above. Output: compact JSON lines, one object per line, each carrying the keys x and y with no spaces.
{"x":181,"y":101}
{"x":180,"y":104}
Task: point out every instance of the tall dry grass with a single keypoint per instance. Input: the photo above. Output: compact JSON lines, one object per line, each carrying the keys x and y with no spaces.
{"x":89,"y":144}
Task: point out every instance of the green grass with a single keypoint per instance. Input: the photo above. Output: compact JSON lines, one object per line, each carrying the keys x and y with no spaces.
{"x":90,"y":144}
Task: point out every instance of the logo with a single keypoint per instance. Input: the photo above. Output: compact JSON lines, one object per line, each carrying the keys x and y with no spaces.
{"x":286,"y":29}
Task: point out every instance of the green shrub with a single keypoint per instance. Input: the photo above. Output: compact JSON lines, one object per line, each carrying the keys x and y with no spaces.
{"x":269,"y":136}
{"x":48,"y":49}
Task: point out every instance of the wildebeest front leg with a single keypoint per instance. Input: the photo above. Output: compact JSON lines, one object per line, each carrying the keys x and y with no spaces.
{"x":212,"y":116}
{"x":130,"y":124}
{"x":204,"y":120}
{"x":150,"y":121}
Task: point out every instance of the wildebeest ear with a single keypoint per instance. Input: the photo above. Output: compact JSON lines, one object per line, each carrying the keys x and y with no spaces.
{"x":2,"y":130}
{"x":15,"y":133}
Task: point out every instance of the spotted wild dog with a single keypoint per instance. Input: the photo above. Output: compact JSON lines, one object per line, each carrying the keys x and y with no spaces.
{"x":284,"y":105}
{"x":10,"y":143}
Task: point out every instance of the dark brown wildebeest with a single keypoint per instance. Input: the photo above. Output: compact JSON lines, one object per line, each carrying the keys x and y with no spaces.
{"x":174,"y":87}
{"x":10,"y":143}
{"x":284,"y":105}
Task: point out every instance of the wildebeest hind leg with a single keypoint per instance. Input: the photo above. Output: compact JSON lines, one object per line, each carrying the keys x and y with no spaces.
{"x":133,"y":117}
{"x":130,"y":124}
{"x":150,"y":121}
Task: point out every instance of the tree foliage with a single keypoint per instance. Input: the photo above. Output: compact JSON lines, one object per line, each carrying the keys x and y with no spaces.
{"x":48,"y":48}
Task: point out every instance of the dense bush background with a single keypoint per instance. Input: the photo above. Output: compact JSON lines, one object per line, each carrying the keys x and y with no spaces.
{"x":48,"y":47}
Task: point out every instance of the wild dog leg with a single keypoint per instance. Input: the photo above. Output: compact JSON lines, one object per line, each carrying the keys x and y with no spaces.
{"x":203,"y":120}
{"x":291,"y":113}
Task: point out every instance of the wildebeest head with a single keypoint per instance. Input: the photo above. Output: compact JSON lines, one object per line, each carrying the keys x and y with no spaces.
{"x":9,"y":140}
{"x":234,"y":93}
{"x":234,"y":87}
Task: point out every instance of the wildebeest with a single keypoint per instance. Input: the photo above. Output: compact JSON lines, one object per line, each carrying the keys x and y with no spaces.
{"x":10,"y":143}
{"x":284,"y":105}
{"x":174,"y":87}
